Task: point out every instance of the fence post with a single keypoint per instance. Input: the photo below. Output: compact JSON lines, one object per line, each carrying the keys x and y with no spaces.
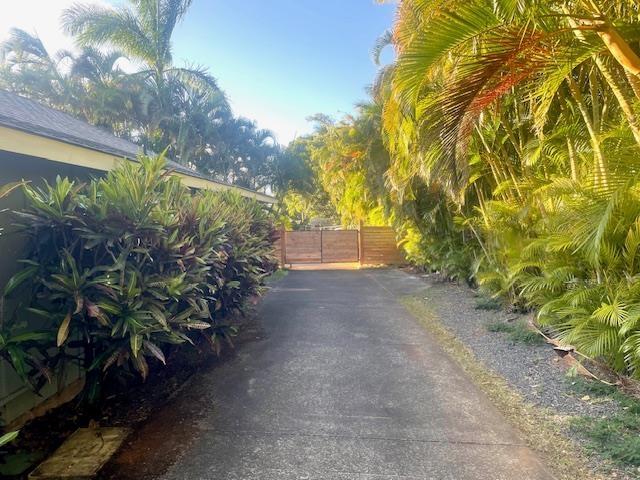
{"x":360,"y":242}
{"x":283,"y":244}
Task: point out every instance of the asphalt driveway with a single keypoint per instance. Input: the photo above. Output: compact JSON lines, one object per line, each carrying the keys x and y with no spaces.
{"x":344,"y":384}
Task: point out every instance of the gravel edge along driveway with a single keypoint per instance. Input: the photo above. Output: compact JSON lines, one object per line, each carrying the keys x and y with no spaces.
{"x":533,"y":370}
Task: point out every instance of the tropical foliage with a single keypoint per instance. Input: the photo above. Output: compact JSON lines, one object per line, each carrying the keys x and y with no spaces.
{"x":302,"y":197}
{"x":152,"y":101}
{"x":338,"y":172}
{"x":123,"y":269}
{"x":503,"y":142}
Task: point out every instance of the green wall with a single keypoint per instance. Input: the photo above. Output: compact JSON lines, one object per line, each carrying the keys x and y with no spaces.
{"x":15,"y":167}
{"x":15,"y":398}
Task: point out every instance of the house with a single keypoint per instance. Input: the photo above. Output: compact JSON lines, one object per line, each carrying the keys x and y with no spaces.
{"x":36,"y":143}
{"x":36,"y":140}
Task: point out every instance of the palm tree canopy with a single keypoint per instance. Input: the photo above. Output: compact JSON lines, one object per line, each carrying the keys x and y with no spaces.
{"x":143,"y":30}
{"x":160,"y":106}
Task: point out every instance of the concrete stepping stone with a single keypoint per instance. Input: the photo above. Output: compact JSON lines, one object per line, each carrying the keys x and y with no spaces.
{"x":82,"y":455}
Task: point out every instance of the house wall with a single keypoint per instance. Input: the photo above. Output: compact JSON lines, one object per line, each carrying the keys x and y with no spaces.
{"x":18,"y":402}
{"x":75,"y":156}
{"x":16,"y":399}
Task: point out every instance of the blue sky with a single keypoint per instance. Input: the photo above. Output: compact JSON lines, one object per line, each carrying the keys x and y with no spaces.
{"x":279,"y":61}
{"x":282,"y":60}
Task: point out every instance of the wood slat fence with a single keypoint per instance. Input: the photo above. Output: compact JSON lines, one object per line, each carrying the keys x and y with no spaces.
{"x":378,"y":246}
{"x":367,"y":245}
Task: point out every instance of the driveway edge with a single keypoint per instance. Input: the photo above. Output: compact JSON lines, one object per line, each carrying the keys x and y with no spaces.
{"x":534,"y":424}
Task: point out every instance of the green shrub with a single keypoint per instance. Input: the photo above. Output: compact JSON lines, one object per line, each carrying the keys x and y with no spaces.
{"x":123,"y":267}
{"x":523,"y":334}
{"x":439,"y":248}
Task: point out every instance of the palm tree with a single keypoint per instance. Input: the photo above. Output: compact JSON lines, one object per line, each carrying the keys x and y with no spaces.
{"x":485,"y":50}
{"x":88,"y":84}
{"x":520,"y":119}
{"x":160,"y":105}
{"x":243,"y":154}
{"x":199,"y":129}
{"x":28,"y":68}
{"x":108,"y":93}
{"x":143,"y":30}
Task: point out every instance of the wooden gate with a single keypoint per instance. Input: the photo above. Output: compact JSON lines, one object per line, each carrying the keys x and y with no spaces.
{"x":303,"y":247}
{"x":369,"y":245}
{"x":321,"y":246}
{"x":378,"y":246}
{"x":339,"y":246}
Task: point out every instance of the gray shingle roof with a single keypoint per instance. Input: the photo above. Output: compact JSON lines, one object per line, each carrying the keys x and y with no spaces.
{"x":24,"y":114}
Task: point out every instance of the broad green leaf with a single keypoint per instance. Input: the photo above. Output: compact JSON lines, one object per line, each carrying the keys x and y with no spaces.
{"x":17,"y":356}
{"x":63,"y":330}
{"x":5,"y":190}
{"x":31,"y":337}
{"x":8,"y":437}
{"x":19,"y":278}
{"x":136,"y":342}
{"x":155,"y":351}
{"x":197,"y":325}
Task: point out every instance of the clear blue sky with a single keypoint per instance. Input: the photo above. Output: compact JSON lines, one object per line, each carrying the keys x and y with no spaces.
{"x":280,"y":61}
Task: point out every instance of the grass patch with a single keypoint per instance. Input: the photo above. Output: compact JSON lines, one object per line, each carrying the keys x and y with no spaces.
{"x":518,"y":332}
{"x":488,"y":303}
{"x":523,"y":334}
{"x":617,"y":436}
{"x":276,"y":276}
{"x":537,"y":426}
{"x":499,"y":326}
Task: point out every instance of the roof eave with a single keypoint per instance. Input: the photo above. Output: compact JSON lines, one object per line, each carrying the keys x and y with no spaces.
{"x":18,"y":140}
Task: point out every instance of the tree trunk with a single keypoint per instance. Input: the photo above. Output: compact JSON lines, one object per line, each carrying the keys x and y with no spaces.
{"x":634,"y":81}
{"x":621,"y":97}
{"x":620,"y":49}
{"x":617,"y":46}
{"x":601,"y":167}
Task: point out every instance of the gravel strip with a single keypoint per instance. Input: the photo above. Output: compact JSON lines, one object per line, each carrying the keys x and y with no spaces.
{"x":534,"y":370}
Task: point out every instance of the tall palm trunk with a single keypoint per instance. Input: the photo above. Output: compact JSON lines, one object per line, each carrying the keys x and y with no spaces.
{"x":634,"y":81}
{"x":617,"y":90}
{"x":621,"y":97}
{"x":572,"y":159}
{"x":619,"y":48}
{"x":601,"y":167}
{"x":615,"y":43}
